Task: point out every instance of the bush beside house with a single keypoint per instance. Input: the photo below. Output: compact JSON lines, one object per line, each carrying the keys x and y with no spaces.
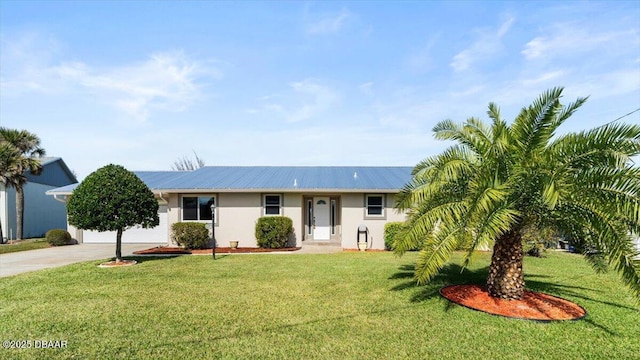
{"x":190,"y":235}
{"x":391,"y":229}
{"x":58,"y":237}
{"x":273,"y":232}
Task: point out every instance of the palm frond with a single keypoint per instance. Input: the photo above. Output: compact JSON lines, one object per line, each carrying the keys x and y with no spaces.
{"x":534,"y":126}
{"x":436,"y":252}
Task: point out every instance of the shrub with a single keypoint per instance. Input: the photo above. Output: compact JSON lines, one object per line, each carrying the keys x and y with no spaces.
{"x":58,"y":237}
{"x":272,"y":232}
{"x":190,"y":235}
{"x":391,"y":229}
{"x":112,"y":198}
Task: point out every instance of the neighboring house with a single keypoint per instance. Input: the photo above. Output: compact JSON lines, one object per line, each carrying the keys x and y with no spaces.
{"x":41,"y":212}
{"x":326,"y":204}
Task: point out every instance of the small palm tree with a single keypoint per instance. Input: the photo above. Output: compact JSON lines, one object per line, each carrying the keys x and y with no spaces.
{"x":26,"y":151}
{"x":499,"y":180}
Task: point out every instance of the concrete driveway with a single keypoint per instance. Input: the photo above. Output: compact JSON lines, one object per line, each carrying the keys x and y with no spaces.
{"x":25,"y":261}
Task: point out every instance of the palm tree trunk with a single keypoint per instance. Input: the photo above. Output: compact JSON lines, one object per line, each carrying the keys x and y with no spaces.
{"x":119,"y":246}
{"x":506,"y":279}
{"x":19,"y":211}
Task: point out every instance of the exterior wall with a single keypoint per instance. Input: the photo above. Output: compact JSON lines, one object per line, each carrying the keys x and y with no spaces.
{"x":294,"y":208}
{"x":54,"y":173}
{"x":353,"y":215}
{"x":4,"y":205}
{"x":173,"y":213}
{"x":237,"y":213}
{"x":41,"y":211}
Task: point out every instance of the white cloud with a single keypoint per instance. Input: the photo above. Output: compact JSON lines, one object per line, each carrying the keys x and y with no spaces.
{"x":543,"y":78}
{"x":167,"y":81}
{"x":423,"y":60}
{"x":485,"y":47}
{"x":366,"y":88}
{"x":570,"y":39}
{"x":328,"y":23}
{"x":303,"y":100}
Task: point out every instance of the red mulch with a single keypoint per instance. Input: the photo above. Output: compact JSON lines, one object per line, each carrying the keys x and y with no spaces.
{"x":532,"y":306}
{"x":118,"y":263}
{"x":219,"y":250}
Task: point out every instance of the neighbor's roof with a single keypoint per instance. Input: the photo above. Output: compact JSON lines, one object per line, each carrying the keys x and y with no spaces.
{"x":275,"y":178}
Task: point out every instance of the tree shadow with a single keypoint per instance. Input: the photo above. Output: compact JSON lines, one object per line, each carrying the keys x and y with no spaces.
{"x":450,"y":274}
{"x":147,"y":258}
{"x":455,"y":274}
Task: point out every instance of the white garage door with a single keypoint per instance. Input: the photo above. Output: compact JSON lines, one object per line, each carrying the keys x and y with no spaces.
{"x":136,"y":235}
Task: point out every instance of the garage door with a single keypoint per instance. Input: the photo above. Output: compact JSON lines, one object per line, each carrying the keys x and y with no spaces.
{"x":136,"y":235}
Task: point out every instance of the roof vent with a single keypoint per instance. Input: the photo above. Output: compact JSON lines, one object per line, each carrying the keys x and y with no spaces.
{"x":295,"y":182}
{"x":355,"y":175}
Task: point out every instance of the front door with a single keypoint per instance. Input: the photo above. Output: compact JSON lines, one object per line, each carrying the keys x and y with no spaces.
{"x":321,"y":226}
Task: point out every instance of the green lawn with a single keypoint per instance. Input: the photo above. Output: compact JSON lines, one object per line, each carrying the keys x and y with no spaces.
{"x":24,"y":245}
{"x":345,"y":306}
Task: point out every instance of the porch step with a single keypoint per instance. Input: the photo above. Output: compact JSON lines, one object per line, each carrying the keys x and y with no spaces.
{"x":320,"y":247}
{"x":321,"y":243}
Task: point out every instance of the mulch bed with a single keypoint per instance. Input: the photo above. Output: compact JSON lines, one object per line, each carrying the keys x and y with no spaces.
{"x":219,"y":250}
{"x":118,"y":263}
{"x":533,"y":305}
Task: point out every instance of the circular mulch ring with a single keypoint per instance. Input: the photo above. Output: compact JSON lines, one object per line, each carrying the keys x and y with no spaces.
{"x":118,"y":264}
{"x":533,"y":305}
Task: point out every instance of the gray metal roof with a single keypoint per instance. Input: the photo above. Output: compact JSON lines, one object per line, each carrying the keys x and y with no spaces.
{"x":275,"y":178}
{"x":292,"y":178}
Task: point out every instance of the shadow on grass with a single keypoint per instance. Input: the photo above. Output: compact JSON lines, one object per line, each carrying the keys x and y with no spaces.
{"x":455,"y":274}
{"x":450,"y":274}
{"x":278,"y":329}
{"x":148,"y":258}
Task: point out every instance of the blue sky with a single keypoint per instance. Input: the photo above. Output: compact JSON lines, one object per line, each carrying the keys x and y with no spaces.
{"x":299,"y":83}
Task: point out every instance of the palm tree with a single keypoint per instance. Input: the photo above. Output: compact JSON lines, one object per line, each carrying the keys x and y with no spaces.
{"x":26,"y":152}
{"x":8,"y":157}
{"x":497,"y":181}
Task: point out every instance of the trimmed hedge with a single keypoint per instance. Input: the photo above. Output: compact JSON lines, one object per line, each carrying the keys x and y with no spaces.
{"x":273,"y":232}
{"x":58,"y":237}
{"x":190,"y":235}
{"x":391,"y":229}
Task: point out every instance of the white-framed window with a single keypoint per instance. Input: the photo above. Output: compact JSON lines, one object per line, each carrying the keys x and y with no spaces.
{"x":374,"y":205}
{"x":272,"y":204}
{"x":197,"y":207}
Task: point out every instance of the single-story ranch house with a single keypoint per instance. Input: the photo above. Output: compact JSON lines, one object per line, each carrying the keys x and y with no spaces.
{"x":326,"y":204}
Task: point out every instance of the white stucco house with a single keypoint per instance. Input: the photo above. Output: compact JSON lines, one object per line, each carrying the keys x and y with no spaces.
{"x":326,"y":204}
{"x":41,"y":212}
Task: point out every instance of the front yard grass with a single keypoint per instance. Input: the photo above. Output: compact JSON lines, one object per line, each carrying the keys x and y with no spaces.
{"x":338,"y":306}
{"x":24,"y":245}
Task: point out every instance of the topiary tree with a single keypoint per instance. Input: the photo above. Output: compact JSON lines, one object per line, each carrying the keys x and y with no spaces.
{"x":112,"y":199}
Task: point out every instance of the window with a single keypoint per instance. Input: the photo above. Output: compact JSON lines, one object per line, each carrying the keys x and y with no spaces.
{"x":197,"y":207}
{"x":374,"y":205}
{"x":272,"y":204}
